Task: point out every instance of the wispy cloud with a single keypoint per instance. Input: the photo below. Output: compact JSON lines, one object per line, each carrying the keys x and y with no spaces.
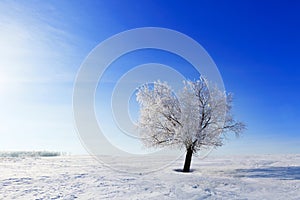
{"x":37,"y":61}
{"x":32,"y":48}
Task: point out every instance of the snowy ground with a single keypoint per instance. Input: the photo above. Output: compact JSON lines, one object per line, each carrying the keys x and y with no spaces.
{"x":247,"y":177}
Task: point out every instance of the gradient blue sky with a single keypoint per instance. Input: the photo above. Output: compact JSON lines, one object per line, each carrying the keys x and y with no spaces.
{"x":255,"y":45}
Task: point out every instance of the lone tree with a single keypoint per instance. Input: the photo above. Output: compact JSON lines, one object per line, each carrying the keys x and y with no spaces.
{"x":197,"y":119}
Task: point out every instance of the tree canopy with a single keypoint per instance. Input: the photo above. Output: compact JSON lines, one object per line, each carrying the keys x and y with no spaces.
{"x":197,"y":118}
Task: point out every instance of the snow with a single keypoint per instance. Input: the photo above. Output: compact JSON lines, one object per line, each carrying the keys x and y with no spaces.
{"x":83,"y":177}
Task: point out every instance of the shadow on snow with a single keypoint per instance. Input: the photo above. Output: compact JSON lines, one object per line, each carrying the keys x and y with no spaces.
{"x":282,"y":173}
{"x":180,"y":170}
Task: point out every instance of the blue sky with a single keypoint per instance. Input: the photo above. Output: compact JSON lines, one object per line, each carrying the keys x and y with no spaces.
{"x":255,"y":45}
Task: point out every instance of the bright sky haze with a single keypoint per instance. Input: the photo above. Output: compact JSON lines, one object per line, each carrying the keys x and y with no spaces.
{"x":255,"y":45}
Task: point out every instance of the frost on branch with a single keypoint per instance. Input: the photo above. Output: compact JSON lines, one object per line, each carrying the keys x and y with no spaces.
{"x":159,"y":115}
{"x":198,"y":118}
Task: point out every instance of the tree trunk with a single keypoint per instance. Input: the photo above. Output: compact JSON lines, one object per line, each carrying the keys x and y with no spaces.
{"x":188,"y":159}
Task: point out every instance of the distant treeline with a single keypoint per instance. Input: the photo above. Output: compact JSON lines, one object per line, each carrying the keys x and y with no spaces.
{"x":31,"y":154}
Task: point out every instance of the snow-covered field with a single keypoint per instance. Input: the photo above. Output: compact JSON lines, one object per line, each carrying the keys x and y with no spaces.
{"x":82,"y":177}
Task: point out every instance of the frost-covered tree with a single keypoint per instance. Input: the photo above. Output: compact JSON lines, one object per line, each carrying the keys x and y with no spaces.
{"x":197,"y":119}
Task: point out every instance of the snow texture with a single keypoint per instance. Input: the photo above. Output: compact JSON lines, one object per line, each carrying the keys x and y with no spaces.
{"x":82,"y":177}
